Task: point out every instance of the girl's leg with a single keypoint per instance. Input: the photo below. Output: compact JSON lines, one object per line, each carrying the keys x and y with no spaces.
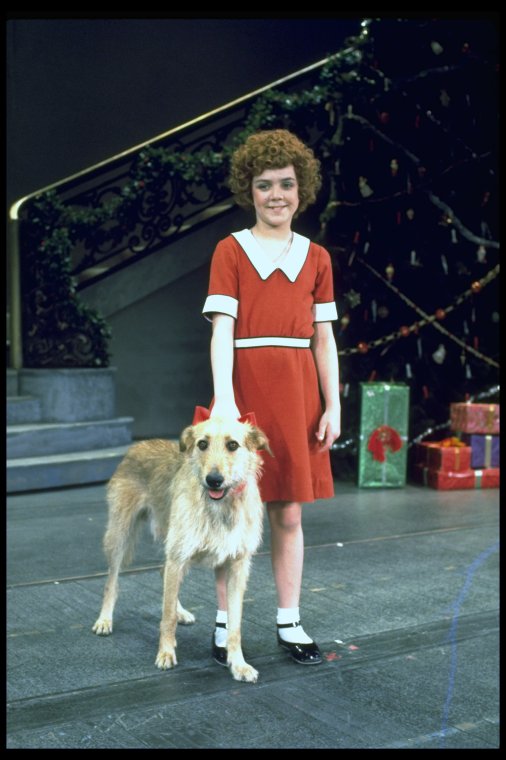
{"x":287,"y":554}
{"x":287,"y":550}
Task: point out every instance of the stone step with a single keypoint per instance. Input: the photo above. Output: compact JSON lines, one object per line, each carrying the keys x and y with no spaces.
{"x":23,"y":410}
{"x":32,"y":440}
{"x":60,"y":470}
{"x":12,"y":382}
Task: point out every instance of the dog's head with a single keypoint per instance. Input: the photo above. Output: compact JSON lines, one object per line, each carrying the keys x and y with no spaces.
{"x":224,"y":453}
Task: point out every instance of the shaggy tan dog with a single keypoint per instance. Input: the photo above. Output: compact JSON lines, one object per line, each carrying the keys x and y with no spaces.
{"x":203,"y":500}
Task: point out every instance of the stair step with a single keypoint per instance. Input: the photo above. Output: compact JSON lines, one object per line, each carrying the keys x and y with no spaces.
{"x":60,"y":470}
{"x":23,"y":409}
{"x":31,"y":440}
{"x":12,"y":382}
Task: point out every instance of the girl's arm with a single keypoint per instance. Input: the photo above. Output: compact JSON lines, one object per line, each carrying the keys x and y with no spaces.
{"x":222,"y":365}
{"x":324,"y":349}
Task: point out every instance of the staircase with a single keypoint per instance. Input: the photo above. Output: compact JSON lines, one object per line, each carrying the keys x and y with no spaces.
{"x":59,"y":433}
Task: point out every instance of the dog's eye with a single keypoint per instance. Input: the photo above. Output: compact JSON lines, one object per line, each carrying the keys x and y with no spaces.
{"x":202,"y":445}
{"x":232,"y":445}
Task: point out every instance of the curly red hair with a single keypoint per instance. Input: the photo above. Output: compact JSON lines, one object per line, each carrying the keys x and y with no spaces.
{"x":274,"y":149}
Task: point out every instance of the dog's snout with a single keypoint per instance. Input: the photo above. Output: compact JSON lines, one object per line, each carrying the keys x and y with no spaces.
{"x":214,"y":479}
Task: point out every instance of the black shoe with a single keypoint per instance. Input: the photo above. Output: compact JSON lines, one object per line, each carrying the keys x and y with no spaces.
{"x":303,"y":654}
{"x":219,"y":653}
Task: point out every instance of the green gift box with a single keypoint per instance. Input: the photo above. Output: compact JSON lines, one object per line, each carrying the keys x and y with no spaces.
{"x":384,"y":420}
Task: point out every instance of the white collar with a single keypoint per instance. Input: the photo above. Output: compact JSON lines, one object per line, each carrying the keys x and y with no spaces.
{"x":291,"y":264}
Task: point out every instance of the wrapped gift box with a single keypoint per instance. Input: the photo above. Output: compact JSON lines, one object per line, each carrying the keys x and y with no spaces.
{"x":422,"y":451}
{"x":444,"y":480}
{"x":484,"y":449}
{"x":475,"y":418}
{"x":384,"y":420}
{"x":449,"y":454}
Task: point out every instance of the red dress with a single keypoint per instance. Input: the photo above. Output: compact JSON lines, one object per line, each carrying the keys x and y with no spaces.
{"x":275,"y":307}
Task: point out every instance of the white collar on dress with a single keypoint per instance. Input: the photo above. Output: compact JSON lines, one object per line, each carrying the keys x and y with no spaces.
{"x":291,"y":264}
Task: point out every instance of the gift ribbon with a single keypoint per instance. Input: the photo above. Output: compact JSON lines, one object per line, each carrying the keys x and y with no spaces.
{"x":201,"y":414}
{"x":382,"y":438}
{"x":488,"y":450}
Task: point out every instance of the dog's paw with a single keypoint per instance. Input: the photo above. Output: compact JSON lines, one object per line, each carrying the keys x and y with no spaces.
{"x":244,"y":672}
{"x":166,"y":659}
{"x":184,"y":617}
{"x":103,"y":627}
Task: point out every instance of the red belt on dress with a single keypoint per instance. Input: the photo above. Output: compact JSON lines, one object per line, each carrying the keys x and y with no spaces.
{"x":272,"y":341}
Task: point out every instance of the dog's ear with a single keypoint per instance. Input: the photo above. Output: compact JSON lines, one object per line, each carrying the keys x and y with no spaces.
{"x":256,"y":440}
{"x":186,"y":439}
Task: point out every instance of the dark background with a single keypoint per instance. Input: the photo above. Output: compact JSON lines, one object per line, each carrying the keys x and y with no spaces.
{"x":80,"y":90}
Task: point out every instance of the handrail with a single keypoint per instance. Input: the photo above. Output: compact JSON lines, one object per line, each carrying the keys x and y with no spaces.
{"x":174,"y":216}
{"x":15,"y":207}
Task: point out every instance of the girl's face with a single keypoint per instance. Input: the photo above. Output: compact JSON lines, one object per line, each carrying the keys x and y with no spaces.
{"x":275,"y":195}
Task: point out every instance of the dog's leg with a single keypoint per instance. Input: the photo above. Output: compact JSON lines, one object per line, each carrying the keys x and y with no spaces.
{"x":166,"y":657}
{"x":184,"y":616}
{"x":119,"y":542}
{"x":237,"y":578}
{"x":115,"y":550}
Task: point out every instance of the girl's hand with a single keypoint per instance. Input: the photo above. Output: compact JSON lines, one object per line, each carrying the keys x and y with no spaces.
{"x":226,"y":408}
{"x":329,"y":429}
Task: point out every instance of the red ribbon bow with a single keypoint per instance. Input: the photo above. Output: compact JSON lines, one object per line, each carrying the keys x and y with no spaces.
{"x":381,"y":438}
{"x":201,"y":414}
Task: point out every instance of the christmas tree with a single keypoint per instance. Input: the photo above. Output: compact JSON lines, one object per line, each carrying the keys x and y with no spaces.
{"x":411,"y":218}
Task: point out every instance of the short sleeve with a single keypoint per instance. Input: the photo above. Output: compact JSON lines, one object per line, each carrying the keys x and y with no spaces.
{"x":223,"y":292}
{"x":324,"y":307}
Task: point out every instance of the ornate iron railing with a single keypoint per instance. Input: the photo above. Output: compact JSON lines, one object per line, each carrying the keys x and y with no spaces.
{"x":97,"y":221}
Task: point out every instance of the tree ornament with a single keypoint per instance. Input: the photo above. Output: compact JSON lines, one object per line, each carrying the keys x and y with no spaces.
{"x":394,"y":167}
{"x":439,"y":354}
{"x":481,"y":254}
{"x":353,"y":298}
{"x":440,"y":314}
{"x":390,"y":271}
{"x":383,"y":312}
{"x":364,"y":188}
{"x":444,"y":98}
{"x":476,"y":286}
{"x":363,"y":347}
{"x":404,"y":331}
{"x":345,"y":321}
{"x":384,"y":117}
{"x":436,"y":48}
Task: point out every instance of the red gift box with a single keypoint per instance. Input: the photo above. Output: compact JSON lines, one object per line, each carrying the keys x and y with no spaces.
{"x":475,"y":418}
{"x":449,"y":454}
{"x":444,"y":480}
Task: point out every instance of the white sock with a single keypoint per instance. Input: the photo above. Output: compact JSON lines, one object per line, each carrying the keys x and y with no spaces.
{"x":220,"y":634}
{"x":294,"y":635}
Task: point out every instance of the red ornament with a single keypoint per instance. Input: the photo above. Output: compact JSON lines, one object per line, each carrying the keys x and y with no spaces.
{"x":363,"y":347}
{"x":440,"y":314}
{"x":384,"y":117}
{"x":404,"y":331}
{"x":476,"y":286}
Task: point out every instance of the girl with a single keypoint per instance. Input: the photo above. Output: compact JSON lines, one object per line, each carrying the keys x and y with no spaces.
{"x":273,"y":352}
